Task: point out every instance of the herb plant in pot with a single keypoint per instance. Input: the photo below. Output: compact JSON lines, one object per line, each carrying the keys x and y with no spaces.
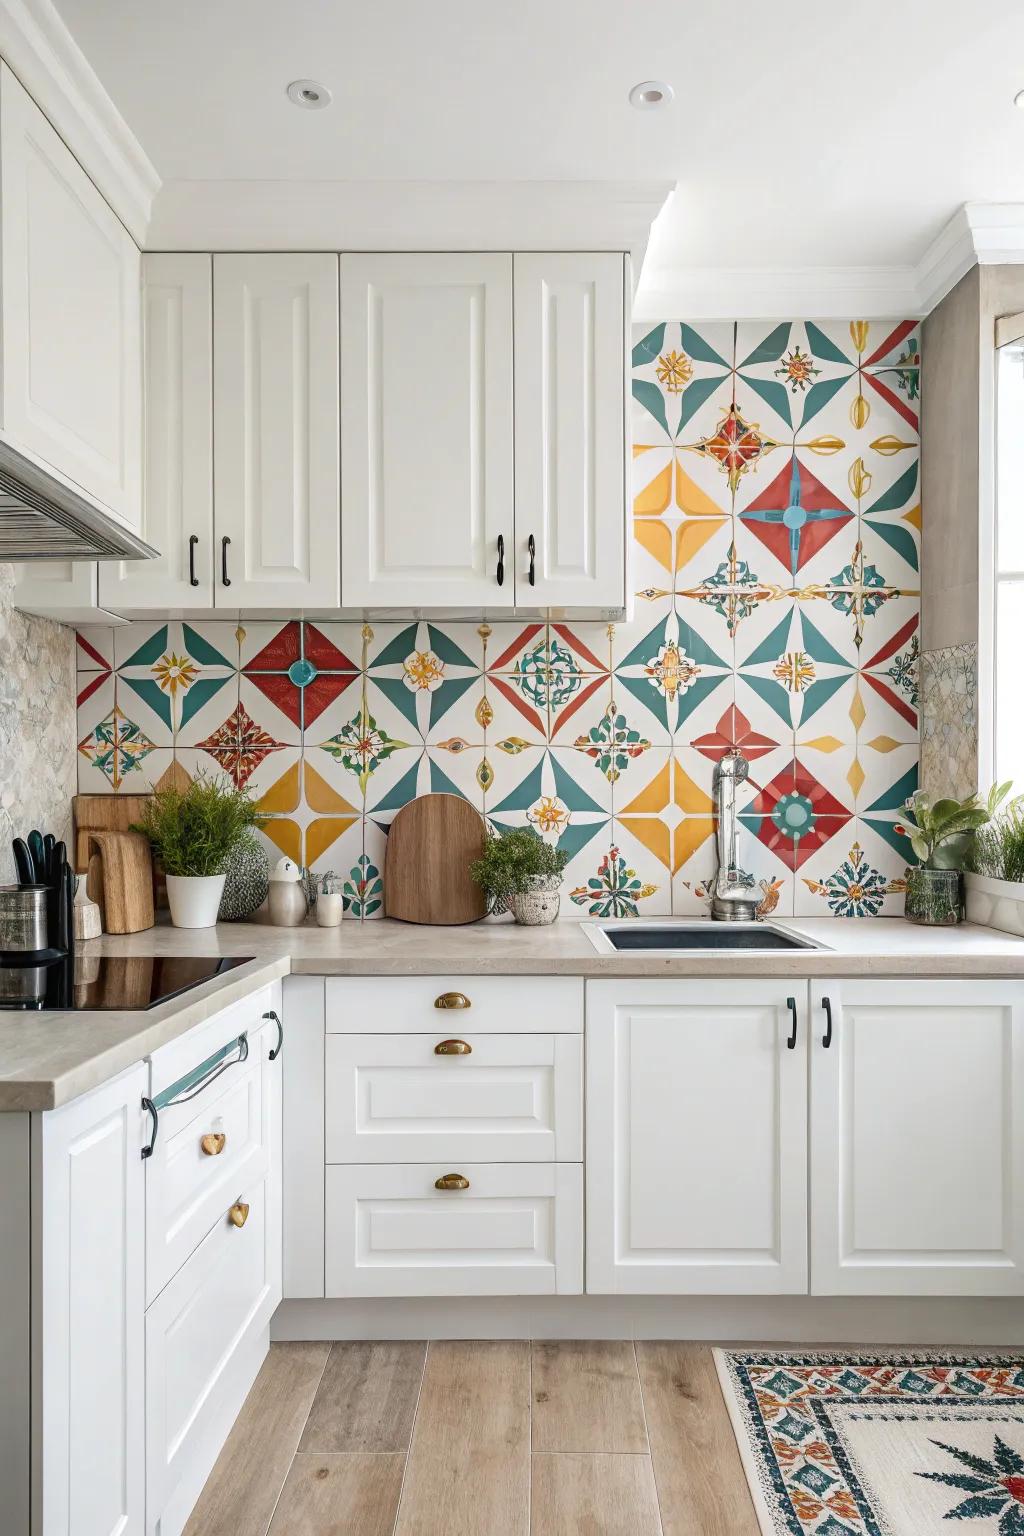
{"x":521,"y":872}
{"x":995,"y":872}
{"x":942,"y":834}
{"x":193,"y":832}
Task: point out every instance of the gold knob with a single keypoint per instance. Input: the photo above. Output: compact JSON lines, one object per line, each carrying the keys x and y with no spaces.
{"x":451,"y":1181}
{"x":238,"y":1214}
{"x":452,"y":1000}
{"x":453,"y":1048}
{"x":213,"y":1143}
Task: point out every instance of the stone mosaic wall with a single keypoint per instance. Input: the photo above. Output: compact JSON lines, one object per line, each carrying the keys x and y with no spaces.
{"x":949,"y":720}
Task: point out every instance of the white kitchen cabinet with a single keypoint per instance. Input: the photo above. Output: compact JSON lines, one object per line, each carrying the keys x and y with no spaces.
{"x":275,"y":392}
{"x":570,"y":429}
{"x":89,"y":1222}
{"x":697,"y":1137}
{"x":71,"y":314}
{"x":917,"y":1138}
{"x":177,"y":499}
{"x":426,"y":430}
{"x":65,"y":590}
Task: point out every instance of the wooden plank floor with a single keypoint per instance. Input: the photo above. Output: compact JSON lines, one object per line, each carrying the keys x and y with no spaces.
{"x":591,"y":1438}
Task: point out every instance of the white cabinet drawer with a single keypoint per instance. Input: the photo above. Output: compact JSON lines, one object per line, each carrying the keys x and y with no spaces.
{"x":204,"y":1343}
{"x":393,"y":1099}
{"x":516,"y":1231}
{"x":383,"y":1005}
{"x":179,"y":1057}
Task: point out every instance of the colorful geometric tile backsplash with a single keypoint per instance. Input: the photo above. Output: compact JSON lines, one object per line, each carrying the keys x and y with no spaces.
{"x":776,"y":525}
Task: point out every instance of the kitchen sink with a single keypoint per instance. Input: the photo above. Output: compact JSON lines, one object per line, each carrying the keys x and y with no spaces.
{"x":671,"y":937}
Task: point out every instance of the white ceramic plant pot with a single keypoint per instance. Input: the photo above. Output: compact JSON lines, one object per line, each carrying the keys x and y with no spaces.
{"x":995,"y":903}
{"x":194,"y":900}
{"x":540,"y":903}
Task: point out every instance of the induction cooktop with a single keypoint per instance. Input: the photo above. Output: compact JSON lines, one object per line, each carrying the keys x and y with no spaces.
{"x":83,"y":981}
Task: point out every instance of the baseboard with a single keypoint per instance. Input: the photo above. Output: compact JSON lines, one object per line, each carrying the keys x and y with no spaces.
{"x":772,"y":1319}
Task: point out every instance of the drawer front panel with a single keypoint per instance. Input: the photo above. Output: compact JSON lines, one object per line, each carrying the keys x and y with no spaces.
{"x":199,"y":1336}
{"x":515,"y":1231}
{"x":187,"y":1187}
{"x":512,"y":1005}
{"x":391,"y":1098}
{"x":179,"y":1057}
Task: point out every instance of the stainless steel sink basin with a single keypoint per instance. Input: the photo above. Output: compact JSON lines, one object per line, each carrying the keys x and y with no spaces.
{"x":673,"y":937}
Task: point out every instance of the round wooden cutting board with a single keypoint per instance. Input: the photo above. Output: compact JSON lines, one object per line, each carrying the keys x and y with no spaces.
{"x":432,"y":843}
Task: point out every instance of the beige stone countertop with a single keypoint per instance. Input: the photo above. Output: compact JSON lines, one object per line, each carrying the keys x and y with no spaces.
{"x":48,"y":1058}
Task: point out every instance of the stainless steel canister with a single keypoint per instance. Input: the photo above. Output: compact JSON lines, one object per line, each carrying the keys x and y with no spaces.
{"x":22,"y":918}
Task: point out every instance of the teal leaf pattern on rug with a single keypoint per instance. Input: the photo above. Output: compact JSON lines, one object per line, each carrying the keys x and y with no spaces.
{"x":996,"y":1488}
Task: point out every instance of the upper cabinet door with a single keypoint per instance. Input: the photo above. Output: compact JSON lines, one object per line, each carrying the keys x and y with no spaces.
{"x":917,"y":1138}
{"x":71,"y":313}
{"x":177,"y":495}
{"x":276,"y":477}
{"x":570,"y":414}
{"x":426,"y":430}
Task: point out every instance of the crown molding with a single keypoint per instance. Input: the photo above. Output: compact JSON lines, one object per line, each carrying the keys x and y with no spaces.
{"x":41,"y":51}
{"x":405,"y":215}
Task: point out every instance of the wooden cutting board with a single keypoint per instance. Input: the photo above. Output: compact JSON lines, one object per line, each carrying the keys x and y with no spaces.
{"x":432,"y":842}
{"x":103,"y":813}
{"x":120,"y":879}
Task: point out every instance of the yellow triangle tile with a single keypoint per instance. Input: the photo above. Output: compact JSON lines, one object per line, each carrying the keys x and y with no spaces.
{"x":321,"y":796}
{"x":283,"y":795}
{"x":656,"y":538}
{"x":823,"y":744}
{"x":639,"y":448}
{"x":692,"y":500}
{"x":655,"y":497}
{"x":287,"y":835}
{"x":855,"y":778}
{"x":858,"y":713}
{"x":320,"y":834}
{"x":690,"y":834}
{"x":913,"y":516}
{"x":691,"y":538}
{"x":653,"y":834}
{"x":689,"y":796}
{"x":653,"y":798}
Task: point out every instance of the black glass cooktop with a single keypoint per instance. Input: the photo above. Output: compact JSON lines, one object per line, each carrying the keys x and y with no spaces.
{"x":85,"y":981}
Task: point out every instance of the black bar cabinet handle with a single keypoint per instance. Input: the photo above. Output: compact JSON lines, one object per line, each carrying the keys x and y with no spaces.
{"x":500,"y":573}
{"x":225,"y":579}
{"x":826,"y":1038}
{"x":193,"y":579}
{"x":532,"y":547}
{"x":151,"y":1109}
{"x":275,"y":1053}
{"x":791,"y":1040}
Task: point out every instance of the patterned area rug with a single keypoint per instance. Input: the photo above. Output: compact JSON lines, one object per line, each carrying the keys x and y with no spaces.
{"x":881,"y":1444}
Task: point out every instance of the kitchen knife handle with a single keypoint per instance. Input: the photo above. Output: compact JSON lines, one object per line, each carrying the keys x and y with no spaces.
{"x":23,"y":862}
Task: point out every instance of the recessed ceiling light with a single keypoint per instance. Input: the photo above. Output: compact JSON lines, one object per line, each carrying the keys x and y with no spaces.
{"x":650,"y":93}
{"x":1018,"y":100}
{"x":310,"y":94}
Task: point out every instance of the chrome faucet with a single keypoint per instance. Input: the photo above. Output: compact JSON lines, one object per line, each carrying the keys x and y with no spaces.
{"x":731,"y":901}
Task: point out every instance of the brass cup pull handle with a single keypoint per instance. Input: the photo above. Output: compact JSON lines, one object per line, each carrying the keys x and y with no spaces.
{"x":452,"y":1000}
{"x":451,"y":1181}
{"x":238,"y":1214}
{"x":213,"y":1143}
{"x":453,"y":1048}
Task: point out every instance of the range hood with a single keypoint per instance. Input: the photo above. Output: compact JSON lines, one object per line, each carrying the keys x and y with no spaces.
{"x":44,"y":518}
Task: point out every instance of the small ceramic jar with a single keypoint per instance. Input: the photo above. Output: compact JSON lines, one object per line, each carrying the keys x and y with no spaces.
{"x":287,"y":900}
{"x":330,"y":904}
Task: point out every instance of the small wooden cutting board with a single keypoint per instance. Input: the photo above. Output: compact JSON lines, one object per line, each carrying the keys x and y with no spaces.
{"x":432,"y":843}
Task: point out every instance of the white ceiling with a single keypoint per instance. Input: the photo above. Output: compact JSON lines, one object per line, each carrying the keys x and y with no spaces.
{"x":802,"y":133}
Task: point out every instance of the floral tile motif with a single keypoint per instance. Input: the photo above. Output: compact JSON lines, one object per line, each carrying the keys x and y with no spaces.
{"x":776,"y":526}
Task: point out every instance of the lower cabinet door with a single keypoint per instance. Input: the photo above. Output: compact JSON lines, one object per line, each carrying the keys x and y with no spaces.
{"x":206,"y":1337}
{"x":697,"y":1137}
{"x":498,"y":1229}
{"x":917,"y":1138}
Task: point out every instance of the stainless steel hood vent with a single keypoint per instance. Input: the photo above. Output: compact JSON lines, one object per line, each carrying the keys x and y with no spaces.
{"x":41,"y":518}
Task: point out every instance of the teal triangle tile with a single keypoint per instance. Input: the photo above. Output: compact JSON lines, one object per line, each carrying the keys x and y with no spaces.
{"x":773,"y":394}
{"x":201,"y":650}
{"x":697,"y":692}
{"x":150,"y":651}
{"x":900,"y":539}
{"x":524,"y":794}
{"x":818,"y":694}
{"x":696,"y":393}
{"x":772,"y":692}
{"x":896,"y":796}
{"x":697,"y":648}
{"x":152,"y":694}
{"x":396,"y":649}
{"x":886,"y":830}
{"x":647,"y":349}
{"x":824,"y":347}
{"x":400,"y":793}
{"x":642,"y":652}
{"x":700,"y":350}
{"x":441,"y":784}
{"x":449,"y":693}
{"x":569,"y":791}
{"x":445,"y":649}
{"x":772,"y":646}
{"x":820,"y":649}
{"x":578,"y":834}
{"x":394,"y":689}
{"x":898,"y":494}
{"x":200,"y":693}
{"x":771,"y":348}
{"x":819,"y":396}
{"x":652,"y":400}
{"x":656,"y":702}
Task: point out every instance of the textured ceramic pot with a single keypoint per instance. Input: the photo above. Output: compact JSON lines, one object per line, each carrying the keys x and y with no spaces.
{"x":996,"y":903}
{"x":934,"y":897}
{"x":194,"y":900}
{"x":540,"y":903}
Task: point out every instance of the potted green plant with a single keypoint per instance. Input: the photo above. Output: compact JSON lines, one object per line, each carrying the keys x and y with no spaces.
{"x":193,"y":832}
{"x":942,"y":833}
{"x":995,"y":872}
{"x":522,"y":872}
